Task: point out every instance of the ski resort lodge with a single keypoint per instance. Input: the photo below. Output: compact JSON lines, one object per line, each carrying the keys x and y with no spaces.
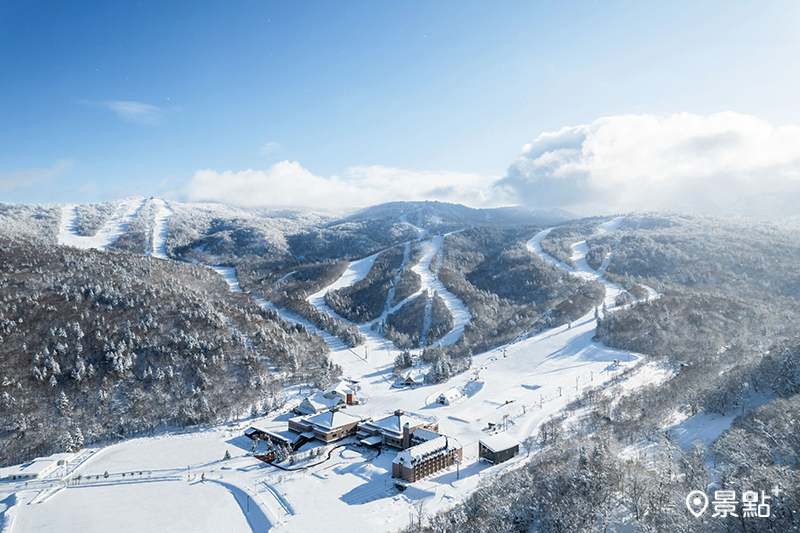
{"x":327,"y":427}
{"x":498,"y":448}
{"x":390,"y":430}
{"x":345,"y":392}
{"x":450,"y":396}
{"x":318,"y":403}
{"x":435,"y":452}
{"x":345,"y":389}
{"x":423,"y":450}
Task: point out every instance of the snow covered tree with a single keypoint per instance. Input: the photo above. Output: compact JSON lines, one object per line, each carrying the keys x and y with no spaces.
{"x":63,"y":404}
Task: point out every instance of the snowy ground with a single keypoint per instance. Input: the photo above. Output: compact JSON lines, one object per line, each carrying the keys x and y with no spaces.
{"x":521,"y":385}
{"x":110,"y":232}
{"x":160,"y":229}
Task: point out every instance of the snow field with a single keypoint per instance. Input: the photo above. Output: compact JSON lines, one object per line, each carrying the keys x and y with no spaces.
{"x":110,"y":232}
{"x":135,"y":507}
{"x":160,"y":229}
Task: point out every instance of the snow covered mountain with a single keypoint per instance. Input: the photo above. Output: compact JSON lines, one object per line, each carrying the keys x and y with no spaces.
{"x":629,"y":335}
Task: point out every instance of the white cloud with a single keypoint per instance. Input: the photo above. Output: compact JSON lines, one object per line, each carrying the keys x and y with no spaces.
{"x":270,"y":147}
{"x":288,"y":183}
{"x":711,"y":164}
{"x":22,"y":179}
{"x":136,"y":111}
{"x":722,"y":163}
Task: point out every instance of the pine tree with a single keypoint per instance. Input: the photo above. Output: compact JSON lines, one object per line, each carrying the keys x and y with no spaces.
{"x":63,"y":404}
{"x":78,"y":439}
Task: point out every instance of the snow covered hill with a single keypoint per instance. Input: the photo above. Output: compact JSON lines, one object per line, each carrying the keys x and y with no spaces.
{"x":208,"y":479}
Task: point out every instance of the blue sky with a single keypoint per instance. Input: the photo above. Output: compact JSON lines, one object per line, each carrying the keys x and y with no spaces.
{"x":103,"y":99}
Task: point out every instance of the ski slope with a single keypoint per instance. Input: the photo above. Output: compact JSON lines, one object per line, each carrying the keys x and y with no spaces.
{"x":582,"y":268}
{"x":108,"y":234}
{"x":355,"y":272}
{"x":229,"y":275}
{"x":160,"y":229}
{"x":429,"y":281}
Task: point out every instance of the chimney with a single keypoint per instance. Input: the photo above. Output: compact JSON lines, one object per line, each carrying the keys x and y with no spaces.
{"x":406,"y":437}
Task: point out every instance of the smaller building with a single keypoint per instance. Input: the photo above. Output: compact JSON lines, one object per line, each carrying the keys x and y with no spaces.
{"x":498,"y":448}
{"x":345,"y":389}
{"x":318,"y":403}
{"x":254,"y":433}
{"x":411,"y":380}
{"x":274,"y":436}
{"x":450,"y":396}
{"x":36,"y":469}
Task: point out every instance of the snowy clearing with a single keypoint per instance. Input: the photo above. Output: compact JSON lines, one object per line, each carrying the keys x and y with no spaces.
{"x":160,"y":229}
{"x":110,"y":232}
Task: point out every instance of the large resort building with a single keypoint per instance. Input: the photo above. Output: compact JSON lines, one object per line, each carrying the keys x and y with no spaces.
{"x":327,"y":427}
{"x":389,"y":430}
{"x":423,"y":450}
{"x":427,"y":457}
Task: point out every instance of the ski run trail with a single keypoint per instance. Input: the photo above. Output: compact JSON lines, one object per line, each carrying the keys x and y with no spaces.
{"x":108,"y":234}
{"x":160,"y":230}
{"x":187,"y":485}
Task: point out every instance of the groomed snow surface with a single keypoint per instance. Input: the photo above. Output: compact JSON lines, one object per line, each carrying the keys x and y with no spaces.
{"x":110,"y":232}
{"x":160,"y":229}
{"x":517,"y":386}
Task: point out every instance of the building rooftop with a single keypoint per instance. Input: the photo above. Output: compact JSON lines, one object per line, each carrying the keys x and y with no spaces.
{"x":342,"y":387}
{"x":451,"y":394}
{"x":424,"y":435}
{"x":394,"y":423}
{"x":320,"y":402}
{"x":332,"y":419}
{"x":33,"y":468}
{"x":499,"y":442}
{"x":421,"y":451}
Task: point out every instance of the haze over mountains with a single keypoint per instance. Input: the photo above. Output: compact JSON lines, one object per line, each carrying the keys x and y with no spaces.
{"x":720,"y":164}
{"x":726,"y":163}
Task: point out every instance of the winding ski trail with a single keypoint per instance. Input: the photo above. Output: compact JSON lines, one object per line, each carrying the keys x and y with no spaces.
{"x":582,"y":268}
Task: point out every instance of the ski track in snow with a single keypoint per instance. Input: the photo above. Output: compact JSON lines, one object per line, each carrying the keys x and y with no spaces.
{"x":582,"y":268}
{"x":378,"y":360}
{"x":390,"y":295}
{"x":160,"y":229}
{"x":108,"y":234}
{"x":229,"y":275}
{"x":431,"y":282}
